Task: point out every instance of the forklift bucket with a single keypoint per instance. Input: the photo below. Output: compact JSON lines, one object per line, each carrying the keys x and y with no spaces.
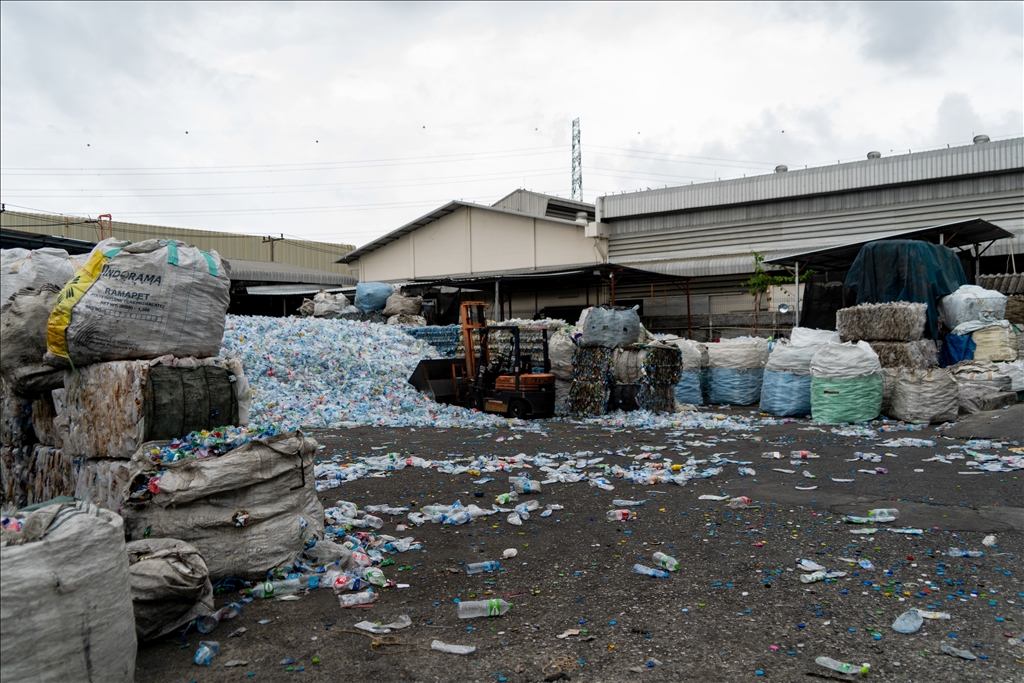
{"x":437,"y":378}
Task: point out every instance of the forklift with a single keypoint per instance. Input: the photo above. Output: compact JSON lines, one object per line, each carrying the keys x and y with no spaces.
{"x":509,"y":383}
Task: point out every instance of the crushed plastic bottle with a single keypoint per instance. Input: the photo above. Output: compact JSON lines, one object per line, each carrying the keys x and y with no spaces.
{"x":957,"y":552}
{"x":908,"y":622}
{"x":810,"y":566}
{"x":955,"y":652}
{"x":602,"y":484}
{"x":207,"y":623}
{"x":842,"y":667}
{"x":275,"y":589}
{"x":514,"y":519}
{"x":866,"y":564}
{"x":821,"y":576}
{"x":208,"y":649}
{"x":884,"y":514}
{"x":619,"y":502}
{"x":471,"y":609}
{"x":506,"y":498}
{"x":649,"y":571}
{"x":618,"y":515}
{"x":526,"y":486}
{"x":665,"y":561}
{"x":480,"y":567}
{"x":355,"y":599}
{"x":802,"y":455}
{"x":452,"y":649}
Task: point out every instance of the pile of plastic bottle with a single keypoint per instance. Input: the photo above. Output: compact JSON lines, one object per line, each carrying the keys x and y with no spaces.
{"x":319,"y":372}
{"x":445,"y":338}
{"x":210,"y":443}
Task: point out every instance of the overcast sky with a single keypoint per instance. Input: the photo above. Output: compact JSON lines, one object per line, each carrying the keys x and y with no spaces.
{"x":342,"y":122}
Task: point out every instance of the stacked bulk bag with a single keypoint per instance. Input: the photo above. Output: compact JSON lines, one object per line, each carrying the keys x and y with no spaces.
{"x":736,"y":370}
{"x":140,"y":301}
{"x":65,"y":600}
{"x":997,"y":343}
{"x":929,"y":396}
{"x":806,"y":336}
{"x":786,"y":389}
{"x":403,"y":305}
{"x":23,"y":331}
{"x":976,"y":380}
{"x":846,"y":384}
{"x":170,"y":585}
{"x":693,"y":358}
{"x":33,"y":269}
{"x":372,"y":296}
{"x":972,"y":304}
{"x":609,"y":327}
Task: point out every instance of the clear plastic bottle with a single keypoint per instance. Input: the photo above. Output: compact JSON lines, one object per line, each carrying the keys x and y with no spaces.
{"x":452,"y":649}
{"x":273,"y":589}
{"x":373,"y":576}
{"x":602,"y":484}
{"x":207,"y":623}
{"x":884,"y":514}
{"x":482,"y":608}
{"x":665,"y":561}
{"x":618,"y":502}
{"x":459,"y":516}
{"x":813,"y":576}
{"x":842,"y":667}
{"x":866,"y":564}
{"x":480,"y":567}
{"x":433,"y":510}
{"x":649,"y":571}
{"x":956,"y":552}
{"x":908,"y":622}
{"x":208,"y":649}
{"x":514,"y":519}
{"x":353,"y":599}
{"x":526,"y":486}
{"x":618,"y":515}
{"x":506,"y":498}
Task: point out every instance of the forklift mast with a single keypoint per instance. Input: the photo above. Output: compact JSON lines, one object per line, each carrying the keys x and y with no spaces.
{"x":473,"y":319}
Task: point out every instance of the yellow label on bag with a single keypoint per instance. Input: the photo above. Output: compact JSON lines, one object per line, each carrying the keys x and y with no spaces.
{"x":71,"y":294}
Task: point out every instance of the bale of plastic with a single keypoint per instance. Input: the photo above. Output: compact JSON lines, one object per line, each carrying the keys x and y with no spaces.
{"x":101,"y":481}
{"x":1015,"y":309}
{"x":589,"y":398}
{"x":405,"y":319}
{"x":170,"y":585}
{"x":806,"y":336}
{"x":976,"y":380}
{"x":51,"y":474}
{"x":688,"y":389}
{"x":561,"y":349}
{"x":403,"y":305}
{"x":15,"y":468}
{"x":65,"y":601}
{"x":324,"y":305}
{"x":895,"y":321}
{"x":139,"y":301}
{"x":307,"y":308}
{"x":43,"y":415}
{"x":930,"y":396}
{"x":888,"y":387}
{"x":23,"y":331}
{"x":970,"y":303}
{"x":916,"y":354}
{"x":628,"y":366}
{"x":247,"y":511}
{"x":110,"y":409}
{"x":15,"y":418}
{"x":33,"y":269}
{"x":735,"y":370}
{"x":846,"y":384}
{"x":656,"y":398}
{"x":372,"y":297}
{"x":785,"y":393}
{"x":603,"y":326}
{"x":995,"y":343}
{"x":739,"y":354}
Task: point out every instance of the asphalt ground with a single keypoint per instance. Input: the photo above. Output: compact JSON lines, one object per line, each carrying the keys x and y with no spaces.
{"x":736,"y":610}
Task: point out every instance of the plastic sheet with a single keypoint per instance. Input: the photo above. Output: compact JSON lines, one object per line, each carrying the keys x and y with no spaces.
{"x":925,"y":396}
{"x":838,"y":400}
{"x":805,"y":336}
{"x":739,"y":353}
{"x":956,"y":348}
{"x":731,"y":386}
{"x":687,"y":389}
{"x":971,"y":303}
{"x":785,"y":393}
{"x":995,"y":343}
{"x":330,"y":373}
{"x":372,"y":297}
{"x":609,"y":327}
{"x":895,"y":321}
{"x":845,"y":360}
{"x":916,"y":354}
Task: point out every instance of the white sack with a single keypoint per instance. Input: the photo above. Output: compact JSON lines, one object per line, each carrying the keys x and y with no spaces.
{"x":403,"y":305}
{"x":1015,"y":371}
{"x":792,"y":358}
{"x":972,"y":303}
{"x":65,"y":602}
{"x":995,"y":343}
{"x":739,"y":354}
{"x":23,"y":335}
{"x":170,"y":585}
{"x":978,"y":379}
{"x":807,"y":336}
{"x":845,"y":360}
{"x":21,"y":268}
{"x":693,"y":354}
{"x":931,"y":396}
{"x":560,"y":352}
{"x":141,"y":300}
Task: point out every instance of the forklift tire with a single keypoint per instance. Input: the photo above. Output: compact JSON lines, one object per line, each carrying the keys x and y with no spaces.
{"x":473,"y":402}
{"x":518,"y":409}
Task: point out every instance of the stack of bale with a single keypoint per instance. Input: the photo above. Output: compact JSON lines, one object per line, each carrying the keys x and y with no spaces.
{"x":786,"y":389}
{"x":33,"y":467}
{"x":325,"y":305}
{"x":404,"y":310}
{"x":914,"y":388}
{"x":735,"y":370}
{"x":645,"y":377}
{"x":600,"y":331}
{"x":693,"y":359}
{"x":846,"y":384}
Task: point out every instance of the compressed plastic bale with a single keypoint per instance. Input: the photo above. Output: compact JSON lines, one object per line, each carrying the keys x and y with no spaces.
{"x":995,"y":343}
{"x":931,"y":396}
{"x":23,"y":331}
{"x":738,"y":354}
{"x":917,"y":354}
{"x":839,"y":400}
{"x":688,"y":389}
{"x":109,"y":409}
{"x":845,"y":360}
{"x":170,"y":585}
{"x":247,"y":511}
{"x":1015,"y":371}
{"x":628,"y":366}
{"x":372,"y":296}
{"x":661,"y":364}
{"x":43,"y":416}
{"x":403,"y":305}
{"x":33,"y":269}
{"x":895,"y":321}
{"x":609,"y":327}
{"x":561,"y":348}
{"x":593,"y":364}
{"x":444,"y":338}
{"x":65,"y":601}
{"x":656,"y":398}
{"x":1015,"y":309}
{"x":562,"y":396}
{"x":970,"y":303}
{"x":589,"y":398}
{"x":888,"y":387}
{"x":785,"y":393}
{"x":138,"y":301}
{"x":51,"y":474}
{"x":976,"y":380}
{"x":101,"y":481}
{"x":15,"y":474}
{"x":731,"y":386}
{"x":15,"y":418}
{"x":806,"y":336}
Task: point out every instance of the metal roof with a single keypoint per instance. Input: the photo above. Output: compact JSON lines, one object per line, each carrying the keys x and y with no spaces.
{"x":984,"y":158}
{"x":576,"y":275}
{"x":429,"y":218}
{"x":703,"y":266}
{"x":267,"y":271}
{"x":954,"y":235}
{"x":10,"y":239}
{"x":290,"y":290}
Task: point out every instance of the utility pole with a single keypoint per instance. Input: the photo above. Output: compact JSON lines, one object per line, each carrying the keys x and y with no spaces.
{"x":577,"y":162}
{"x":271,"y":240}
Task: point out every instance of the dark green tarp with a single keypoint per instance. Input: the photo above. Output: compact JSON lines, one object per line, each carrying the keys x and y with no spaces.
{"x":906,"y":270}
{"x":179,"y":401}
